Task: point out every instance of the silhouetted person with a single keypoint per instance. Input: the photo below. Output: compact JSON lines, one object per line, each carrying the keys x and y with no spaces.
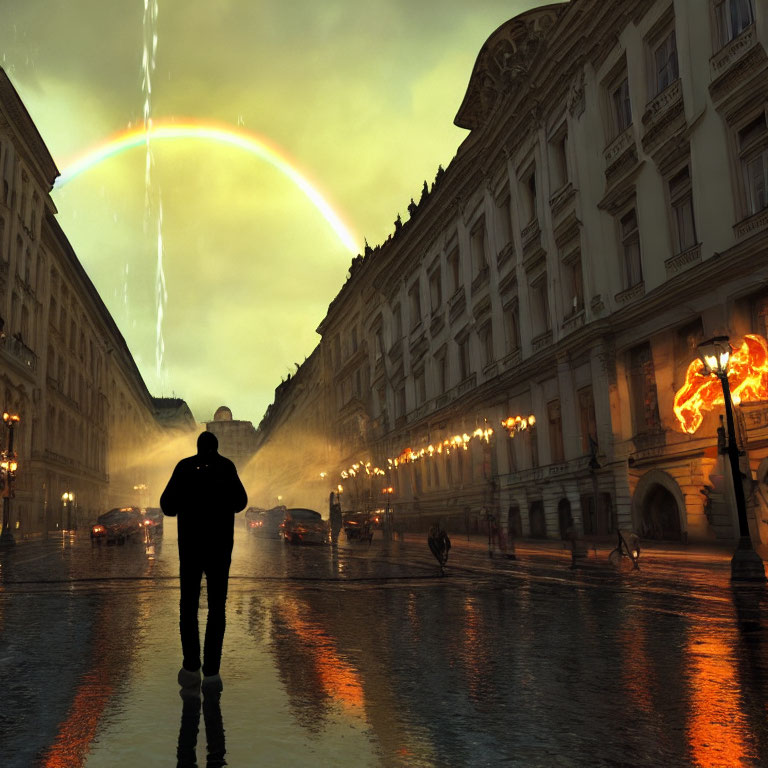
{"x":204,"y":493}
{"x":439,"y":544}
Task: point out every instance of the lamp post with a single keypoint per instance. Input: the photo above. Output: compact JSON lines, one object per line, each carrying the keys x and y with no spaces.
{"x":66,"y":500}
{"x":490,"y":517}
{"x":8,"y":467}
{"x":746,"y":564}
{"x":388,"y":491}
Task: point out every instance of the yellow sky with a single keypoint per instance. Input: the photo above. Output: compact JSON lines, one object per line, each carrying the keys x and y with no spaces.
{"x":360,"y":95}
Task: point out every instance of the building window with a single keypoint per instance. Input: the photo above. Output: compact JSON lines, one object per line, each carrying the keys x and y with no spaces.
{"x":421,"y":387}
{"x":504,"y":220}
{"x":464,"y":367}
{"x":573,"y":284}
{"x":486,"y":334}
{"x":454,"y":270}
{"x":665,"y":63}
{"x":397,"y":322}
{"x":512,"y":327}
{"x":622,"y":107}
{"x":435,"y":291}
{"x":587,"y":421}
{"x":753,"y":151}
{"x":540,"y":306}
{"x":681,"y":200}
{"x":687,"y":339}
{"x":379,"y":343}
{"x":415,"y":300}
{"x":400,"y":402}
{"x":558,"y":152}
{"x":733,"y":17}
{"x":554,"y":415}
{"x":353,"y":340}
{"x":478,"y":247}
{"x":528,"y":195}
{"x":336,"y":351}
{"x":644,"y":398}
{"x":440,"y":374}
{"x":630,"y":243}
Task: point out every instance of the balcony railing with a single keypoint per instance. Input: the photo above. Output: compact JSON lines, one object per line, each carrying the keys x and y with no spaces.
{"x":20,"y":351}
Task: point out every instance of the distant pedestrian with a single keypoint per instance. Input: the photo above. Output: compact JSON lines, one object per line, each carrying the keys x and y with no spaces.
{"x":204,"y":493}
{"x":439,"y":544}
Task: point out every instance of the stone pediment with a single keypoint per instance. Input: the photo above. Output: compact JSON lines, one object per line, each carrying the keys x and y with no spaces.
{"x":503,"y":63}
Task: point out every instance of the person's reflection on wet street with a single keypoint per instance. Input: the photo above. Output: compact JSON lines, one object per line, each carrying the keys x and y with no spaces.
{"x":186,"y":752}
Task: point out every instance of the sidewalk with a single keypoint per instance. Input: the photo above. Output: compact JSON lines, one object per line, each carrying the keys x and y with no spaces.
{"x":699,"y":562}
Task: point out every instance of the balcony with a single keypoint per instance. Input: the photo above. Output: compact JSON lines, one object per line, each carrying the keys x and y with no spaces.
{"x":532,"y":250}
{"x":469,"y":383}
{"x":752,"y":225}
{"x":664,"y":117}
{"x":541,"y":341}
{"x":481,"y":280}
{"x":573,"y":321}
{"x":511,"y":360}
{"x":395,"y":351}
{"x":631,"y":293}
{"x":728,"y":67}
{"x":561,"y":198}
{"x":418,"y":347}
{"x":681,"y":261}
{"x":505,"y":254}
{"x":456,"y":304}
{"x":437,"y":322}
{"x":21,"y":353}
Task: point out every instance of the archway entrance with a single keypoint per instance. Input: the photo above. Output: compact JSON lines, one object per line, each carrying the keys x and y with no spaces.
{"x":660,"y":515}
{"x":537,"y":520}
{"x":564,"y":518}
{"x":515,"y":523}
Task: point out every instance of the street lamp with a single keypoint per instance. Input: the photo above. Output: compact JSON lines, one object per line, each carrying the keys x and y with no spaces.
{"x":389,"y":490}
{"x":746,"y":564}
{"x":490,"y":517}
{"x":66,"y":500}
{"x":8,"y":467}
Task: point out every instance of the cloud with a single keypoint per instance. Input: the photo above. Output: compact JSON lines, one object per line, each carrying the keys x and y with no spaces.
{"x":361,"y":95}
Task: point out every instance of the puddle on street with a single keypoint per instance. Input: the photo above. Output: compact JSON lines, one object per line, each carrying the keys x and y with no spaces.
{"x":459,"y":671}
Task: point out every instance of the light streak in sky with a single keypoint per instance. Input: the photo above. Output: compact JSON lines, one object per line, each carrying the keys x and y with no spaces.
{"x":238,"y":138}
{"x":153,"y":208}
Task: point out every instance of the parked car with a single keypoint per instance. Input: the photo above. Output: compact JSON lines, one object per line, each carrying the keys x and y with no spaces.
{"x":153,"y":519}
{"x":118,"y":525}
{"x":304,"y":526}
{"x":358,"y":526}
{"x":264,"y":523}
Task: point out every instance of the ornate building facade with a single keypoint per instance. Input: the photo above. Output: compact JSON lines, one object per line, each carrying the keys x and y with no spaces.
{"x":87,"y":421}
{"x":607,"y":211}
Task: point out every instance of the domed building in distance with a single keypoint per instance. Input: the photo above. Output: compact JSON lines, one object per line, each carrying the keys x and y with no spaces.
{"x":237,"y":439}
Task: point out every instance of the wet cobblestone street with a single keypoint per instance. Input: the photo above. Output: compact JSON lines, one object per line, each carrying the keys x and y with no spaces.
{"x":363,"y":656}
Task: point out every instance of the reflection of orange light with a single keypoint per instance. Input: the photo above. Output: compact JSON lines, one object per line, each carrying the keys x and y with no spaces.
{"x":339,"y":679}
{"x":747,"y":376}
{"x":717,"y":726}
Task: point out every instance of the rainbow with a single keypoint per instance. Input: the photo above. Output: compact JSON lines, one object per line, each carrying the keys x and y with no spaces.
{"x":221,"y":134}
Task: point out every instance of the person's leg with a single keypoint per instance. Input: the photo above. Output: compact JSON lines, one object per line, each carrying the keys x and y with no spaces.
{"x":190,"y":575}
{"x":217,"y":578}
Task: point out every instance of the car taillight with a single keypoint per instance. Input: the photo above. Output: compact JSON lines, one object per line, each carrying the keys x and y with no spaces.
{"x":147,"y":522}
{"x":98,"y":529}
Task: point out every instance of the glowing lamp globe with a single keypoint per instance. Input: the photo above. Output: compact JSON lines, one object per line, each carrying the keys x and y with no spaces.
{"x":715,"y":354}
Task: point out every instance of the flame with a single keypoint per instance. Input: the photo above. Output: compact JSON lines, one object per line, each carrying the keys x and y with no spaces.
{"x":747,"y":376}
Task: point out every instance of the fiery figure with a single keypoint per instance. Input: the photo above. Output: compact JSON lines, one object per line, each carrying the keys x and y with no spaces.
{"x":747,"y":376}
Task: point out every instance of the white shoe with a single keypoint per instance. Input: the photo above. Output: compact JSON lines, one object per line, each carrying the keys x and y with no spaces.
{"x":212,"y":684}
